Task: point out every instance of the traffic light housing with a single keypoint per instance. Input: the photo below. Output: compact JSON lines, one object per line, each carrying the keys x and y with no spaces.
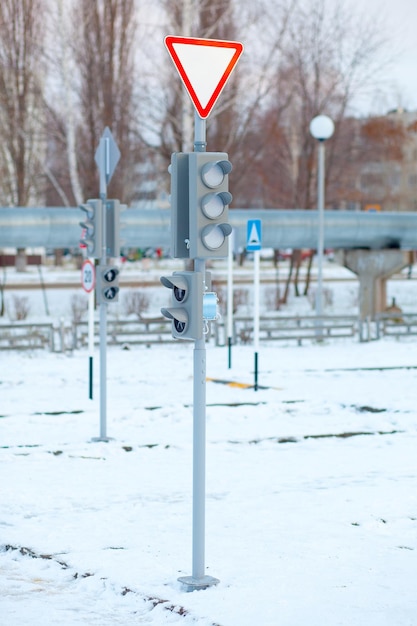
{"x":93,"y":237}
{"x":209,"y":200}
{"x":180,"y":208}
{"x":113,"y":228}
{"x":186,"y":310}
{"x":108,"y":285}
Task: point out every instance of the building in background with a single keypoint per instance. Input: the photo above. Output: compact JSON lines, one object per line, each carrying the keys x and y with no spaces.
{"x":387,"y":175}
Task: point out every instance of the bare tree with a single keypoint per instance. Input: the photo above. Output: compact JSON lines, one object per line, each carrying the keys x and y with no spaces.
{"x":21,"y":104}
{"x":104,"y":36}
{"x":62,"y":110}
{"x":233,"y":123}
{"x":21,"y":100}
{"x":328,"y":56}
{"x":313,"y":56}
{"x":218,"y":21}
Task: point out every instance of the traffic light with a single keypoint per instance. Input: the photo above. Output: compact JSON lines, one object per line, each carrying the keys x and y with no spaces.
{"x":209,"y":200}
{"x":93,"y":236}
{"x":186,"y":311}
{"x":180,"y":210}
{"x":108,"y":284}
{"x":113,"y":228}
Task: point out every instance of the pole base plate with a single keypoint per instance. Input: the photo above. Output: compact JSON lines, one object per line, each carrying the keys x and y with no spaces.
{"x":105,"y":439}
{"x":194,"y":584}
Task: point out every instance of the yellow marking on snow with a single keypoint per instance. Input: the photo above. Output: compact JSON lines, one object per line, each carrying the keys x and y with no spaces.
{"x":237,"y":385}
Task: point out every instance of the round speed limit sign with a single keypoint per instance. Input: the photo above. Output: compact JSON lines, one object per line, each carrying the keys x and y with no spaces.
{"x":88,"y":276}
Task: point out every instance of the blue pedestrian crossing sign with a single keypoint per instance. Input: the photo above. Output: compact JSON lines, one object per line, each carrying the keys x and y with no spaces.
{"x":254,"y":235}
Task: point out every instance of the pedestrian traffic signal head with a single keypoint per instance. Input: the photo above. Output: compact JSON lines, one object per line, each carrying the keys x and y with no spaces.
{"x":108,"y":285}
{"x":186,"y":310}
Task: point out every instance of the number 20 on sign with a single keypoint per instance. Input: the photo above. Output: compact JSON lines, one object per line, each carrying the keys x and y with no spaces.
{"x":88,"y":276}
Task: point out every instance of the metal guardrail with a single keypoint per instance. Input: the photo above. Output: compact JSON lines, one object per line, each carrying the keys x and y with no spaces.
{"x":58,"y":227}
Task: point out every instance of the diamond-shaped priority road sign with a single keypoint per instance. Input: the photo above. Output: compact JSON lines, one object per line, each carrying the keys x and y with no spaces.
{"x":107,"y":155}
{"x":205,"y":66}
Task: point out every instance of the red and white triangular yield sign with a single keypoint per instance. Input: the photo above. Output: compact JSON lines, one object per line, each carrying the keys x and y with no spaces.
{"x":205,"y":65}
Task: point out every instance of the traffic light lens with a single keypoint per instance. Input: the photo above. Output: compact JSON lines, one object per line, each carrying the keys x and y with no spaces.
{"x":110,"y":275}
{"x":212,"y":205}
{"x":213,"y":175}
{"x":213,"y":237}
{"x":110,"y":293}
{"x":179,"y":326}
{"x":179,"y":294}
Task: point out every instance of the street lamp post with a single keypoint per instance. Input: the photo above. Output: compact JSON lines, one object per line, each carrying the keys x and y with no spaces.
{"x":321,"y":128}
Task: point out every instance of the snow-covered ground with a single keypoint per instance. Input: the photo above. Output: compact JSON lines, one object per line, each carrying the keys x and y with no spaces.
{"x":311,"y":507}
{"x":311,"y":488}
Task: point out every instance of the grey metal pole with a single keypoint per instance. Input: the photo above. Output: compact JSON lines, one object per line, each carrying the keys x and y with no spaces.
{"x":106,"y":157}
{"x":103,"y":305}
{"x":199,"y":580}
{"x":187,"y":105}
{"x":230,"y":299}
{"x":200,"y":142}
{"x":103,"y":371}
{"x":199,"y":412}
{"x":91,"y":340}
{"x":320,"y":244}
{"x":256,"y":272}
{"x":321,"y":128}
{"x":199,"y":450}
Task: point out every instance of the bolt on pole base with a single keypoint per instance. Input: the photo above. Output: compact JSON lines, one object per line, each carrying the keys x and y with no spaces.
{"x":195,"y":584}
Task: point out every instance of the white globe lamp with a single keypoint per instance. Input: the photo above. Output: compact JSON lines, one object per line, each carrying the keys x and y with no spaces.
{"x":321,"y":127}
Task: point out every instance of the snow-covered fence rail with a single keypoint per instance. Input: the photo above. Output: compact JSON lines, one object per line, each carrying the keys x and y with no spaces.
{"x":63,"y":336}
{"x":298,"y":328}
{"x":57,"y":336}
{"x":26,"y":336}
{"x":146,"y":330}
{"x":396,"y":324}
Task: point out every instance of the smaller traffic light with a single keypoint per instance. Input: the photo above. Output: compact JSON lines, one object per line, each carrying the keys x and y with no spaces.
{"x":180,"y":210}
{"x":93,"y":228}
{"x":186,"y":310}
{"x":209,"y":200}
{"x":108,"y":285}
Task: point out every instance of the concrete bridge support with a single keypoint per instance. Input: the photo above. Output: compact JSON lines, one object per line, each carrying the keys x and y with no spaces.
{"x":373,"y":268}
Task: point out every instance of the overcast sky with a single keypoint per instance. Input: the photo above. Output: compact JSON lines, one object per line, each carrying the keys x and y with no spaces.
{"x":401,"y":18}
